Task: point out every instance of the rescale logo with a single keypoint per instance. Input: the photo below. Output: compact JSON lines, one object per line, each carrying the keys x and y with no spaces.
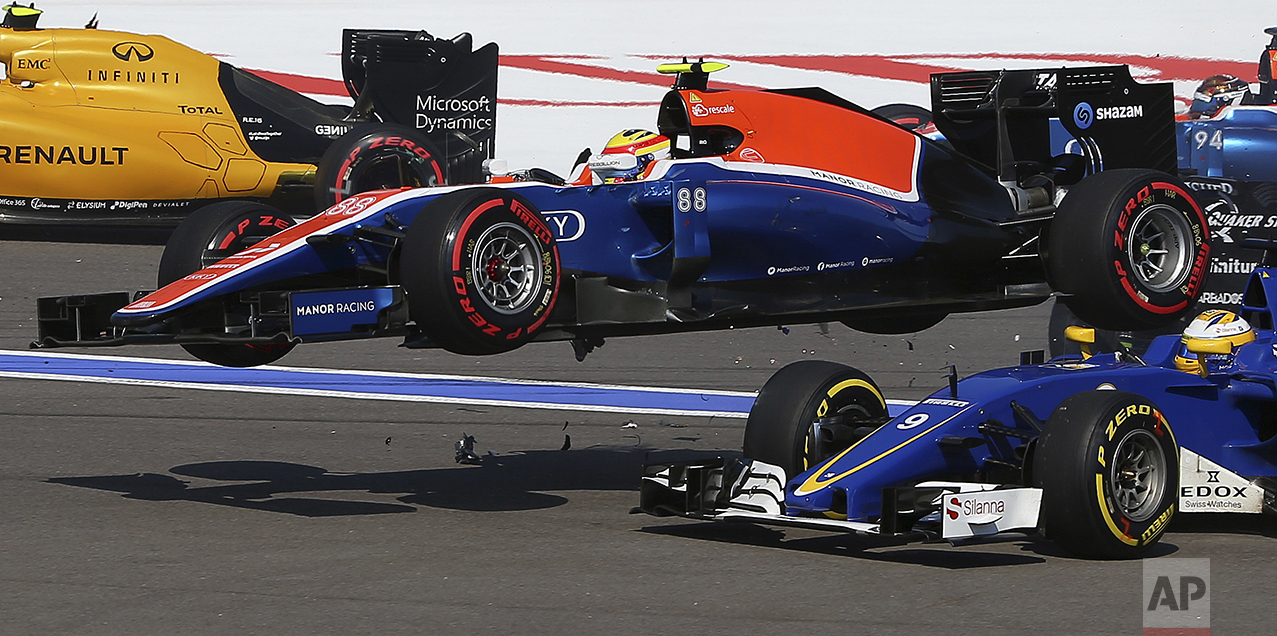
{"x":701,"y":110}
{"x":133,"y":51}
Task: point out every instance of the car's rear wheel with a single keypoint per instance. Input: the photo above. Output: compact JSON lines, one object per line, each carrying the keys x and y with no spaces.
{"x":207,"y":236}
{"x":907,"y":116}
{"x":481,"y":270}
{"x":1130,"y":248}
{"x":1108,"y":467}
{"x":376,"y":157}
{"x":779,"y":427}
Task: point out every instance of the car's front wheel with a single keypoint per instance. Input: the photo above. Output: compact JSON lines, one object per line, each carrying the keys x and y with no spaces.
{"x":481,"y":269}
{"x":1108,"y":467}
{"x":779,"y":428}
{"x":207,"y":236}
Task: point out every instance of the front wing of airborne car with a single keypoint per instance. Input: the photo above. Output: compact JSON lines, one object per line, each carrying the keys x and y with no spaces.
{"x":272,"y":286}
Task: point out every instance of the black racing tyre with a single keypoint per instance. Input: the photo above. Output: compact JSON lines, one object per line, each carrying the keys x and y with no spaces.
{"x":1131,"y":248}
{"x":1108,"y":467}
{"x":778,"y":430}
{"x":376,"y":157}
{"x":481,"y":270}
{"x":893,"y":325}
{"x":907,"y":116}
{"x":208,"y":235}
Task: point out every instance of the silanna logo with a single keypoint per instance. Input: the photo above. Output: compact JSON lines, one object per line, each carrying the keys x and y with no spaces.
{"x":133,"y":51}
{"x":976,"y":511}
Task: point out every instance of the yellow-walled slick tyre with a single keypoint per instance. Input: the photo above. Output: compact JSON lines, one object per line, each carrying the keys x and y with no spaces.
{"x":1108,"y":467}
{"x":208,"y":235}
{"x":778,"y":430}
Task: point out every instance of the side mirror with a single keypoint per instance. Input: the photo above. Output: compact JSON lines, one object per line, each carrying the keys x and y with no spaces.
{"x":1215,"y":347}
{"x":1081,"y":335}
{"x":1084,"y":336}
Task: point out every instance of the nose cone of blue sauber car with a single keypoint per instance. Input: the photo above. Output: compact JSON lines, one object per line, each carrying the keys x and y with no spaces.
{"x":942,"y":437}
{"x":904,"y":449}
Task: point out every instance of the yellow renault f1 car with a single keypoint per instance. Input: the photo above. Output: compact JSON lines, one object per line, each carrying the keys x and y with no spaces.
{"x":105,"y":127}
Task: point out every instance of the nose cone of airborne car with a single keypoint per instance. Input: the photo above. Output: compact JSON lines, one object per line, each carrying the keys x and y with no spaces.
{"x":280,"y":257}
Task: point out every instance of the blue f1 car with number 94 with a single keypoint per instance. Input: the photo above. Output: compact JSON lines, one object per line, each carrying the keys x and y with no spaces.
{"x":1097,"y":451}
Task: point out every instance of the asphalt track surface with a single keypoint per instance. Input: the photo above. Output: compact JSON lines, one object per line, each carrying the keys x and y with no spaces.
{"x":141,"y":509}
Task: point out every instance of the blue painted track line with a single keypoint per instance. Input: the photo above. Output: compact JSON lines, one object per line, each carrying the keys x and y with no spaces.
{"x":378,"y":385}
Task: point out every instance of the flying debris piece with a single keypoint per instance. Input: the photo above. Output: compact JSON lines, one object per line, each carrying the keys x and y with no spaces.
{"x":630,"y":424}
{"x":465,"y":451}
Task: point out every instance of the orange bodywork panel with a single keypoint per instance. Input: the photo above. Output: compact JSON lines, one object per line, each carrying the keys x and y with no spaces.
{"x":782,"y":129}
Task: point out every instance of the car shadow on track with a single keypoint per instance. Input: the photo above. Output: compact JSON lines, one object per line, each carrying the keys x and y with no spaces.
{"x":853,"y":546}
{"x":525,"y":480}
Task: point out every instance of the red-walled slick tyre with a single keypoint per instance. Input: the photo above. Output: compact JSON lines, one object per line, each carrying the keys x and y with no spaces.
{"x":1131,"y":248}
{"x":481,"y":270}
{"x":376,"y":157}
{"x":208,"y":235}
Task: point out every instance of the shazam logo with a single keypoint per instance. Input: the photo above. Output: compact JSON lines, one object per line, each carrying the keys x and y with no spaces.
{"x":1083,"y":115}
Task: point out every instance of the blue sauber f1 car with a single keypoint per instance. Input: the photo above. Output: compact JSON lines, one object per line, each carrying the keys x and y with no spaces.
{"x":1097,"y":451}
{"x":776,"y":207}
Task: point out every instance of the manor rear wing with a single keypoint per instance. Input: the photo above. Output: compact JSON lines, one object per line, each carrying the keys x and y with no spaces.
{"x":1001,"y":118}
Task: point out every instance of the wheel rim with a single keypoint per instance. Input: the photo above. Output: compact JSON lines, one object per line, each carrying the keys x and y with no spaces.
{"x":1138,"y":475}
{"x":1158,"y":247}
{"x":505,"y":267}
{"x":853,"y":412}
{"x":387,"y":172}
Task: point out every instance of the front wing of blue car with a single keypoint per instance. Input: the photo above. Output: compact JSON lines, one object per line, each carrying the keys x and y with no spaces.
{"x":751,"y":491}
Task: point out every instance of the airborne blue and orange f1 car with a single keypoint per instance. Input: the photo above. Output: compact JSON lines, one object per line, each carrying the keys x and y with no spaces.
{"x":776,"y":207}
{"x":1098,"y":451}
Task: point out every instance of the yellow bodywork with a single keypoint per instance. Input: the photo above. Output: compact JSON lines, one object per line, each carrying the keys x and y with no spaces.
{"x":88,"y":114}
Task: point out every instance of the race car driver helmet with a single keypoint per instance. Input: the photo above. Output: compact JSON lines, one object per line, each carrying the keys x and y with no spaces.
{"x":628,"y":154}
{"x":1216,"y":324}
{"x":1217,"y":92}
